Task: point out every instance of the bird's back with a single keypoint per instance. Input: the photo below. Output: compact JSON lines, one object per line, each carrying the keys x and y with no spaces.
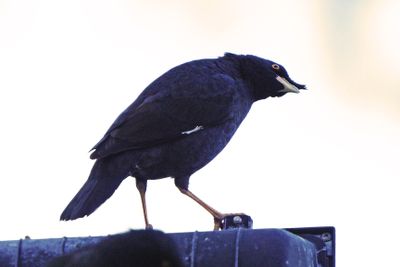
{"x":201,"y":91}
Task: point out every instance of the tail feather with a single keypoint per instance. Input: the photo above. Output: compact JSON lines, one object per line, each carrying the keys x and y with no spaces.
{"x":103,"y":180}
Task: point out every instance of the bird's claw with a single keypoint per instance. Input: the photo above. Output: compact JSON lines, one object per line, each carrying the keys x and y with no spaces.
{"x":149,"y":227}
{"x":217,"y":223}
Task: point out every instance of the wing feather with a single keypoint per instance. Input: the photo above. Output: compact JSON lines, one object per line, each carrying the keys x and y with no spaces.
{"x":164,"y":117}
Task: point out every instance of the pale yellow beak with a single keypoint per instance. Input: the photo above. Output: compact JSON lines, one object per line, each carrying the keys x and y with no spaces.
{"x":287,"y":86}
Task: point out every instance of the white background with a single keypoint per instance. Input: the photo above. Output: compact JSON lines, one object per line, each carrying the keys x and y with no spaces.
{"x":327,"y":156}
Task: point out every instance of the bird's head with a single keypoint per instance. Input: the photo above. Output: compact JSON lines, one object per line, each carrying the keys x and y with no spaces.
{"x":266,"y":78}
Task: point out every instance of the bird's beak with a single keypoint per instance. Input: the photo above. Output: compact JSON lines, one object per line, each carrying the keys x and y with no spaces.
{"x":287,"y":86}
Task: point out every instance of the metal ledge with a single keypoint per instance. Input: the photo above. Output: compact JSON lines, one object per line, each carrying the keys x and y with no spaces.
{"x":234,"y":247}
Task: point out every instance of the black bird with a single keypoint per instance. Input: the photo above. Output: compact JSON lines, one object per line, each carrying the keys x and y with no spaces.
{"x":177,"y":125}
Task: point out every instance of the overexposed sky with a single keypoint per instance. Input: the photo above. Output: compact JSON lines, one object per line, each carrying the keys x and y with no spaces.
{"x":327,"y":156}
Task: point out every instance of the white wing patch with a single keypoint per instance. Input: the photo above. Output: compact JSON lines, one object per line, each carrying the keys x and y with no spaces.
{"x":195,"y":129}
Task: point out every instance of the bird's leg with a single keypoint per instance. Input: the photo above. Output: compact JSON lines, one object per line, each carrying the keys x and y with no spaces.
{"x":141,"y":185}
{"x":218,"y":216}
{"x":183,"y":185}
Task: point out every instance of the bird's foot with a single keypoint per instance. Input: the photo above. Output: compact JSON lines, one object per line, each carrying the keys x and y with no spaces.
{"x":217,"y":224}
{"x":149,"y":227}
{"x":232,"y":220}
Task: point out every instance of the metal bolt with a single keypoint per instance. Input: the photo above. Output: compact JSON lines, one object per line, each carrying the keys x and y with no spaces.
{"x":326,"y":237}
{"x":237,"y":219}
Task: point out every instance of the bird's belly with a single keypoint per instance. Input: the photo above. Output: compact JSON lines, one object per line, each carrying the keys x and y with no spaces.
{"x":186,"y":155}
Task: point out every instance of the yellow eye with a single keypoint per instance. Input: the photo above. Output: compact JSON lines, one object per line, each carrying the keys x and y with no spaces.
{"x":275,"y":66}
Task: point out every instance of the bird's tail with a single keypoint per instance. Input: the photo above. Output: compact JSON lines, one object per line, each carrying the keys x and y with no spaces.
{"x":103,"y":180}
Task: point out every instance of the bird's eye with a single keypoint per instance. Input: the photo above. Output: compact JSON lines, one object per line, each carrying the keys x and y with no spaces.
{"x":275,"y":66}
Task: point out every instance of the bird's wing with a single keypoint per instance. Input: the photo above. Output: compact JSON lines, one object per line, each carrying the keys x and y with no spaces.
{"x":165,"y":117}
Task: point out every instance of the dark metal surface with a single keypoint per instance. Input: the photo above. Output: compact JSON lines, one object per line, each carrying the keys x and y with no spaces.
{"x":235,"y":247}
{"x":324,"y":240}
{"x":237,"y":221}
